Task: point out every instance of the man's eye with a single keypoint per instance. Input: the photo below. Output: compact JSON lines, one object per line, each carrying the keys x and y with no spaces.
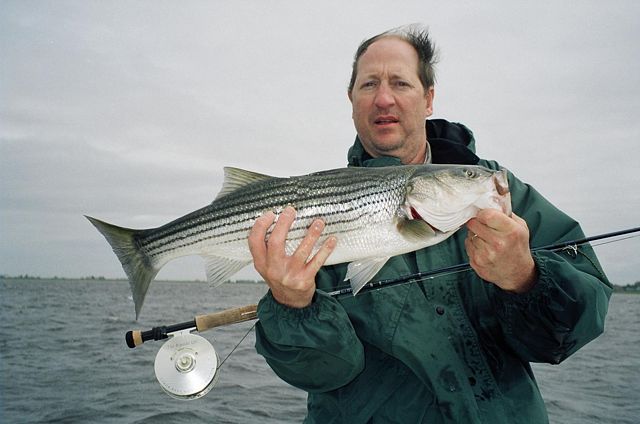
{"x":368,"y":84}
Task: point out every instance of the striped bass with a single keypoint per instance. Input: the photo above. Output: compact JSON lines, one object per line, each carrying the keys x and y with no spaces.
{"x":375,"y":213}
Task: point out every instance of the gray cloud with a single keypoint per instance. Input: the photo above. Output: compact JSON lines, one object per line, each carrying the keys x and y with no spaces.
{"x":129,"y":110}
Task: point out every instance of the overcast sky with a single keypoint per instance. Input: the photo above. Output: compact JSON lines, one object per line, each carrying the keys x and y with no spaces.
{"x":127,"y":111}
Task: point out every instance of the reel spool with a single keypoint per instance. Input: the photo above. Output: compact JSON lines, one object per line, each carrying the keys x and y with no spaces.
{"x":186,"y":366}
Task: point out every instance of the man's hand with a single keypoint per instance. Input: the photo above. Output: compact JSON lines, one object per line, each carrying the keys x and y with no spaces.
{"x":498,"y":249}
{"x":290,"y":278}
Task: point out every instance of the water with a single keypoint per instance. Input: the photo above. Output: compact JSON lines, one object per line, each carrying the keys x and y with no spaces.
{"x":63,"y":359}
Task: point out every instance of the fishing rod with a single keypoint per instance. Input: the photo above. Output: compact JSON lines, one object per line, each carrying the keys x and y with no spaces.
{"x":186,"y":366}
{"x":421,"y":276}
{"x":200,"y":323}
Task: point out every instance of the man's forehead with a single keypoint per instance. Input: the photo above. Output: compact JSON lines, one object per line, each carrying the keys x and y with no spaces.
{"x":390,"y":55}
{"x":387,"y":72}
{"x":390,"y":44}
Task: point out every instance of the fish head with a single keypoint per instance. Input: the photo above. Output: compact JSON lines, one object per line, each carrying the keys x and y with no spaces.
{"x":447,"y":196}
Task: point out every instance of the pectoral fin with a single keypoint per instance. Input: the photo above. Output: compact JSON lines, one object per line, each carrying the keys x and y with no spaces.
{"x":415,"y":230}
{"x":219,"y":269}
{"x":361,"y":272}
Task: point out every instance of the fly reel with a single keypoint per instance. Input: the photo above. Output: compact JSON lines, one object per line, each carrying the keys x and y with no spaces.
{"x":186,"y":366}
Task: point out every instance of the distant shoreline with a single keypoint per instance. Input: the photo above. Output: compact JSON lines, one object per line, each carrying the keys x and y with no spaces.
{"x":100,"y":278}
{"x":629,"y":289}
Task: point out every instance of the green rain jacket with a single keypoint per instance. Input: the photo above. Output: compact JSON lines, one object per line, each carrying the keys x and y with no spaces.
{"x":453,"y":349}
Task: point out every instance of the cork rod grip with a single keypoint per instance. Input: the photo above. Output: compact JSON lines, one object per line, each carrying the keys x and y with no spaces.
{"x":228,"y":316}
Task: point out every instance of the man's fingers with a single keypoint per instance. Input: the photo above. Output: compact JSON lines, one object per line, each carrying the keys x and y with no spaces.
{"x":477,"y":229}
{"x":494,"y":219}
{"x":270,"y":258}
{"x":519,"y":220}
{"x":257,"y":236}
{"x":280,"y":231}
{"x":306,"y":246}
{"x":322,"y":255}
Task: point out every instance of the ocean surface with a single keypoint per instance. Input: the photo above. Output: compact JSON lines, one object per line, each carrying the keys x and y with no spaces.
{"x":63,"y":359}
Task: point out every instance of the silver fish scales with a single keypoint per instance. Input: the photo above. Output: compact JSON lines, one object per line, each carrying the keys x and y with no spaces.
{"x":375,"y":213}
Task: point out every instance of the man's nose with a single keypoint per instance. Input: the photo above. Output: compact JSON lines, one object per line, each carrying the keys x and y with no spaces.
{"x":384,"y":97}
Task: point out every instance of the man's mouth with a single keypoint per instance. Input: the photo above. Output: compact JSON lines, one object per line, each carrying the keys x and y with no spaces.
{"x":386,"y":120}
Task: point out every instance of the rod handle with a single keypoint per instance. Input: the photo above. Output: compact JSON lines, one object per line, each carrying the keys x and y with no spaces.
{"x":133,"y":338}
{"x":228,"y":316}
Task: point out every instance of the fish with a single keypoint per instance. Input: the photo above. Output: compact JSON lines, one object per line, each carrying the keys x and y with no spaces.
{"x":375,"y":214}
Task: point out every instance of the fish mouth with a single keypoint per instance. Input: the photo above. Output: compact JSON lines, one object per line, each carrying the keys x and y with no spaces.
{"x":501,"y":183}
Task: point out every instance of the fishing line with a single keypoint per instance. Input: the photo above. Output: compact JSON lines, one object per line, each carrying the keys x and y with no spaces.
{"x":602,"y":243}
{"x":237,"y":345}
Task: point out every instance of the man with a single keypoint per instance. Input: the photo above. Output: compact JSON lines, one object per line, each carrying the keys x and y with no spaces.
{"x":453,"y":349}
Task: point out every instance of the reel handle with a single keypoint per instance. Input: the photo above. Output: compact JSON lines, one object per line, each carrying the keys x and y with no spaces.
{"x":200,"y":323}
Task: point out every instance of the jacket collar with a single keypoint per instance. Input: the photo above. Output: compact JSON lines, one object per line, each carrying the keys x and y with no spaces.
{"x":450,"y":142}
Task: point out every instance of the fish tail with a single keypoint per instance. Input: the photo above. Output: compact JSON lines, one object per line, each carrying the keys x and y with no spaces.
{"x":138,"y":266}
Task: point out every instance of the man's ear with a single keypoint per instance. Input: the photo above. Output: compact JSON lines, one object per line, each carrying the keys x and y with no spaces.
{"x":429,"y":96}
{"x":349,"y":94}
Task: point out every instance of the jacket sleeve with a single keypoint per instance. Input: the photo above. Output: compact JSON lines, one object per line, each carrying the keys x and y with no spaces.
{"x":314,"y":348}
{"x":566,"y":308}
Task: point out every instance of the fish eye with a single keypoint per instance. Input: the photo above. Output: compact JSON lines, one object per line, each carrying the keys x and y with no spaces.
{"x":469,"y":173}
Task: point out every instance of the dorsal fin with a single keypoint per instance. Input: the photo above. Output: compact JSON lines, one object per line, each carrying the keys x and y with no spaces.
{"x":234,"y":178}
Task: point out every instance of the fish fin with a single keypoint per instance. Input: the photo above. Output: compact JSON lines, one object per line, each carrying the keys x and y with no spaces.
{"x":219,"y":269}
{"x":139,"y":267}
{"x":361,"y":272}
{"x":234,"y":178}
{"x":449,"y":221}
{"x":415,"y":230}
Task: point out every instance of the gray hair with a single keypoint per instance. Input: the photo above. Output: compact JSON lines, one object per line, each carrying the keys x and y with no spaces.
{"x":416,"y":35}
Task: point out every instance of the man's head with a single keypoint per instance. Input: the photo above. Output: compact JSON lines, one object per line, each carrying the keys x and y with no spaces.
{"x":415,"y":35}
{"x":391,"y":92}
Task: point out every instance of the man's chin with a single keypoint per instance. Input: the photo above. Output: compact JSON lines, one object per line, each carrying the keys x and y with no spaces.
{"x":387,"y":146}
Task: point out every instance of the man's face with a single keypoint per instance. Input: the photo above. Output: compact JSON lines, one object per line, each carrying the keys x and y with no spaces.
{"x":389,"y":103}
